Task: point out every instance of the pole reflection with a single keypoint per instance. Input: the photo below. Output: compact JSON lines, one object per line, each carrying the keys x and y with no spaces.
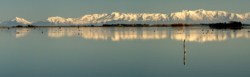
{"x":184,"y":45}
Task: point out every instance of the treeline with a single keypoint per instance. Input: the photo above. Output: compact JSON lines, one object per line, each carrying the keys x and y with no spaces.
{"x":118,"y":25}
{"x":26,"y":26}
{"x":179,"y":24}
{"x":175,"y":24}
{"x":125,"y":25}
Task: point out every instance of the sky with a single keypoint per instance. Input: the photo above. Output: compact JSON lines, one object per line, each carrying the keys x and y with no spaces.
{"x":38,"y":10}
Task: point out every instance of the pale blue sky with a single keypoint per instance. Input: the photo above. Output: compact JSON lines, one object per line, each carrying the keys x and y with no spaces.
{"x":36,"y":10}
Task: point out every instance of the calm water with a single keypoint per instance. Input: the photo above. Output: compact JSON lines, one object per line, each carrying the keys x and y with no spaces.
{"x":124,"y":52}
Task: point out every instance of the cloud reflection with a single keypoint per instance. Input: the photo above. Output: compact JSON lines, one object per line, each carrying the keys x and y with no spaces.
{"x":20,"y":32}
{"x":144,"y":33}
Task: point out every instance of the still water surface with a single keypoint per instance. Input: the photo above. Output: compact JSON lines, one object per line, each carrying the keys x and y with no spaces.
{"x":124,"y":52}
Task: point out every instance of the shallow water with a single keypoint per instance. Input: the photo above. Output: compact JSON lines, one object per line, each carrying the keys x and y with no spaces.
{"x":124,"y":52}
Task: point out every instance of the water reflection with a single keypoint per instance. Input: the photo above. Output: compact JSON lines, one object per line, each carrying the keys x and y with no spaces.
{"x":21,"y":32}
{"x":143,"y":33}
{"x":73,"y":52}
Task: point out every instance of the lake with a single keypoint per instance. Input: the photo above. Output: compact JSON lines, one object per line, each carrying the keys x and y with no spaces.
{"x":124,"y":52}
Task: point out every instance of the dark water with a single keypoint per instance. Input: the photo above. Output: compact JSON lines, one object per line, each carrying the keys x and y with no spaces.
{"x":124,"y":52}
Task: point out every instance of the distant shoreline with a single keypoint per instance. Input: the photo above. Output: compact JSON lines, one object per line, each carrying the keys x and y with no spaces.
{"x":94,"y":26}
{"x":245,"y":26}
